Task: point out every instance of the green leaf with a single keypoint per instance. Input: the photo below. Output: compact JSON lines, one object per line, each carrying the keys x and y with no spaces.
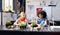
{"x":23,"y":24}
{"x":8,"y":22}
{"x":33,"y":24}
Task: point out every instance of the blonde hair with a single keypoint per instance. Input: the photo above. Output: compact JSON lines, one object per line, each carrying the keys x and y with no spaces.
{"x":22,"y":13}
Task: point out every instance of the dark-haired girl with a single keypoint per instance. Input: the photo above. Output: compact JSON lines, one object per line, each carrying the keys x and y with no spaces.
{"x":42,"y":19}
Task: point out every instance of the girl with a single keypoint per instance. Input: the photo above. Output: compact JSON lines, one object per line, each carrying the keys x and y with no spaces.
{"x":21,"y":19}
{"x":42,"y":19}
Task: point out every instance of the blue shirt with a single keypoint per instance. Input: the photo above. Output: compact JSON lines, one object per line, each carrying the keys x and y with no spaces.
{"x":41,"y":21}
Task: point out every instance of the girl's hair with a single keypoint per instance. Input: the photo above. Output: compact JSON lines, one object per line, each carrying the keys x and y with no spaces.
{"x":42,"y":13}
{"x":22,"y":13}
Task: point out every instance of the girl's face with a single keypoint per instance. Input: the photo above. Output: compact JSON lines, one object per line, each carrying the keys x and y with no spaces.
{"x":22,"y":14}
{"x":40,"y":15}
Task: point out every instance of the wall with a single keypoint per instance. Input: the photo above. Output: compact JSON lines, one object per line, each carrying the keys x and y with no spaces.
{"x":52,"y":12}
{"x":56,"y":13}
{"x":7,"y":16}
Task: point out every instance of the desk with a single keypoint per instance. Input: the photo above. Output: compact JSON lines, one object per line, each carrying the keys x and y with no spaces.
{"x":26,"y":29}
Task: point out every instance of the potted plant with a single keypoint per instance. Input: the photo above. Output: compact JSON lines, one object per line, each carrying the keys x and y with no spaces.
{"x":8,"y":24}
{"x":23,"y":25}
{"x":34,"y":24}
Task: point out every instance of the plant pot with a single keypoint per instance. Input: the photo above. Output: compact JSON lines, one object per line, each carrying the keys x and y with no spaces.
{"x":12,"y":22}
{"x":22,"y":26}
{"x":35,"y":26}
{"x":7,"y":25}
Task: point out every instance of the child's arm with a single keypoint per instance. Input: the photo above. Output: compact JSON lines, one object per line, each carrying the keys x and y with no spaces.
{"x":15,"y":23}
{"x":26,"y":22}
{"x":46,"y":22}
{"x":37,"y":22}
